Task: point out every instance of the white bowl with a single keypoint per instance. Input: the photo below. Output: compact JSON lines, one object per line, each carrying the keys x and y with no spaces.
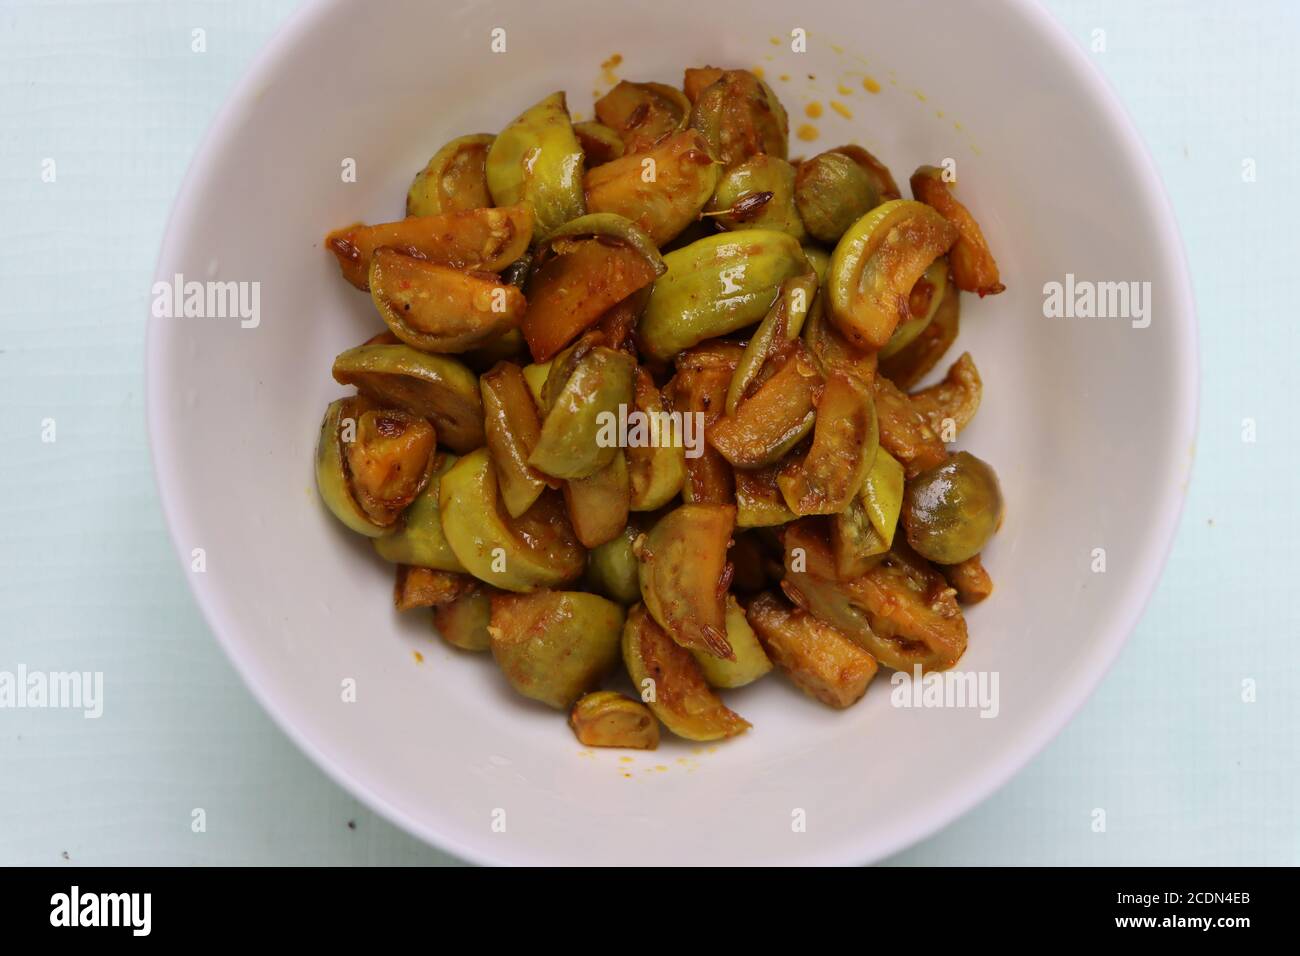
{"x":1089,"y":422}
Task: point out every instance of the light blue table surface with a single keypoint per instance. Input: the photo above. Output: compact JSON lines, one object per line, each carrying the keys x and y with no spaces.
{"x":1186,"y":770}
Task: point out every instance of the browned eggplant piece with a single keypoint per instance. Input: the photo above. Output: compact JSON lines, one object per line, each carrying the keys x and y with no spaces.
{"x":759,"y":502}
{"x":685,"y":575}
{"x":372,"y":462}
{"x":973,"y":267}
{"x":555,"y":646}
{"x":608,"y":719}
{"x":437,"y":387}
{"x":643,"y":113}
{"x":670,"y":681}
{"x":439,"y":309}
{"x":821,"y":661}
{"x":969,"y":579}
{"x":425,"y":587}
{"x":740,"y":117}
{"x":876,"y":264}
{"x":472,"y":239}
{"x":773,"y":419}
{"x":832,"y":350}
{"x":912,"y":363}
{"x":843,"y":448}
{"x":455,"y":178}
{"x":656,"y":468}
{"x":904,"y":432}
{"x":662,"y":190}
{"x":598,"y":504}
{"x":513,"y":427}
{"x":700,"y":386}
{"x":901,"y":611}
{"x":585,"y":268}
{"x":463,"y":622}
{"x":956,"y":399}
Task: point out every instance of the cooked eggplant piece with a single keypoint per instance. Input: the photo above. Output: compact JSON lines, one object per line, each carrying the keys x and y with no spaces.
{"x":536,"y":550}
{"x":956,"y":398}
{"x":642,"y":114}
{"x":843,"y":448}
{"x":371,"y":463}
{"x":973,"y":267}
{"x":513,"y":429}
{"x":439,"y":309}
{"x":577,"y":403}
{"x":509,"y":346}
{"x":951,"y":511}
{"x":612,"y":568}
{"x":454,"y":180}
{"x":389,"y":461}
{"x":417,"y":538}
{"x":608,"y":719}
{"x":697,"y":79}
{"x":821,"y":661}
{"x":913,"y":362}
{"x":584,"y":269}
{"x":425,"y":587}
{"x":831,"y":193}
{"x":656,"y":468}
{"x":901,"y":611}
{"x":969,"y":579}
{"x":662,"y":190}
{"x":485,"y":240}
{"x":700,"y":387}
{"x":537,"y":160}
{"x":598,"y":504}
{"x":672,"y":684}
{"x":555,"y":646}
{"x":922,"y":305}
{"x":463,"y":621}
{"x":777,"y":336}
{"x":904,"y":432}
{"x":750,"y":663}
{"x":759,"y":502}
{"x":864,"y":531}
{"x":882,"y":181}
{"x":875,"y":265}
{"x":820,"y":260}
{"x":715,"y":286}
{"x":758,"y":193}
{"x":435,"y":387}
{"x":600,"y":145}
{"x":833,"y":351}
{"x":685,"y":575}
{"x":740,"y":117}
{"x":535,"y":375}
{"x":775,"y":418}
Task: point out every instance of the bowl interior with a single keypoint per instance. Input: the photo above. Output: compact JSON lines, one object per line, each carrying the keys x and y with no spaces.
{"x":1088,"y":421}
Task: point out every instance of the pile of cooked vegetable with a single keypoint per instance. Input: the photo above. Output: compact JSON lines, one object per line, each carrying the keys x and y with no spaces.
{"x":667,"y":258}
